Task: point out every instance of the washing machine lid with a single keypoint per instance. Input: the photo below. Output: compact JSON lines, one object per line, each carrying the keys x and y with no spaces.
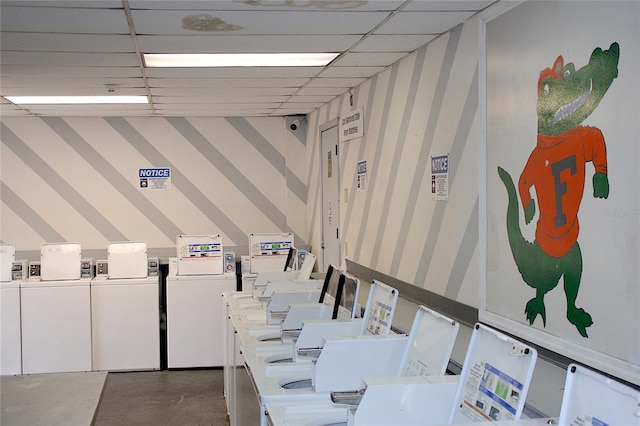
{"x":127,"y":260}
{"x":199,"y":255}
{"x":495,"y":378}
{"x":430,"y":344}
{"x":60,"y":261}
{"x":7,"y":257}
{"x":605,"y":401}
{"x":381,"y":306}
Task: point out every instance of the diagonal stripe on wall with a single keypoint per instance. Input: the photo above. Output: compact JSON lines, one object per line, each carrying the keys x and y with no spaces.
{"x":222,"y":164}
{"x":200,"y":200}
{"x":62,"y":187}
{"x":29,"y":216}
{"x":93,"y":157}
{"x":262,"y":145}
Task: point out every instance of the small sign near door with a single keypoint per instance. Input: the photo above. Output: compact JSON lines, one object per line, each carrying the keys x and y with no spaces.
{"x":362,"y":175}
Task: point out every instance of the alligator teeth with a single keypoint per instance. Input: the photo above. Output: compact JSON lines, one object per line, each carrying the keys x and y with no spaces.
{"x":566,"y":110}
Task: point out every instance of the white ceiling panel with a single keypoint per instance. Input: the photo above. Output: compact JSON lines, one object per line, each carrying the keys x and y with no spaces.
{"x":273,"y":5}
{"x":233,"y":72}
{"x":368,"y":59}
{"x":69,"y":59}
{"x":177,"y":22}
{"x":223,"y":91}
{"x":64,"y":20}
{"x":55,"y":72}
{"x":75,"y":47}
{"x":39,"y":82}
{"x":223,"y":82}
{"x":41,"y":42}
{"x":223,"y":43}
{"x":220,"y":99}
{"x":393,"y":43}
{"x":335,"y":82}
{"x":423,"y":22}
{"x":448,"y":5}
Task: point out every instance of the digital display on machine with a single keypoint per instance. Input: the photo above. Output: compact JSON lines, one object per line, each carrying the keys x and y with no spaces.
{"x":204,"y":250}
{"x":271,"y":247}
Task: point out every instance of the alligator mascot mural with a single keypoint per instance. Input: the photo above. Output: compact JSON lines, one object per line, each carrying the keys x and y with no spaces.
{"x":556,"y":169}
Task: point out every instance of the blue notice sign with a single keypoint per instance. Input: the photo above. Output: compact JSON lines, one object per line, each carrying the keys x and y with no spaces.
{"x":155,"y":178}
{"x":440,"y":177}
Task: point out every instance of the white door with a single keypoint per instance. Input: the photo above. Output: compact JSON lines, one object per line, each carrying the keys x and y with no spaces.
{"x":330,"y":198}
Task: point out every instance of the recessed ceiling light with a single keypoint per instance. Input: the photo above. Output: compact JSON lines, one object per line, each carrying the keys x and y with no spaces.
{"x":238,"y":59}
{"x":62,"y":100}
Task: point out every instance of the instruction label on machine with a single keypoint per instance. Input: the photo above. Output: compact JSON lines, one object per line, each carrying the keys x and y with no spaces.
{"x":490,"y":394}
{"x":157,"y":178}
{"x":440,"y":177}
{"x":380,"y":318}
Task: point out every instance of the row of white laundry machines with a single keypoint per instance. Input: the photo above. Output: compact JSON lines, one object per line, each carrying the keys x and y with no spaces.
{"x":300,"y":351}
{"x":64,"y":313}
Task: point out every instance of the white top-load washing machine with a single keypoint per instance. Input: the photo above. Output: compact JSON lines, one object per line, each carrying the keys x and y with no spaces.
{"x":426,"y":353}
{"x":10,"y":339}
{"x":56,"y":313}
{"x":125,"y":307}
{"x":268,"y":252}
{"x":195,"y":307}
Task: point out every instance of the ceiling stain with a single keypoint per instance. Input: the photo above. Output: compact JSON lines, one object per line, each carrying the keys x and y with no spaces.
{"x":319,"y":4}
{"x":207,"y":23}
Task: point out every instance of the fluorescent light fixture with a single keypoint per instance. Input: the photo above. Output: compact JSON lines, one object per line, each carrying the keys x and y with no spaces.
{"x":238,"y":59}
{"x":68,"y":100}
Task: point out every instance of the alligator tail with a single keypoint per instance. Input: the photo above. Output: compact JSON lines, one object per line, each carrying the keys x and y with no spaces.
{"x":521,"y":249}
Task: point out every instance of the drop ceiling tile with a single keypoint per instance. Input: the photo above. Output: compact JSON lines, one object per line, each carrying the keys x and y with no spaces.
{"x":448,"y":5}
{"x":69,"y":59}
{"x":321,"y":91}
{"x":271,"y":5}
{"x":393,"y":43}
{"x":66,"y":42}
{"x":223,"y":82}
{"x":350,"y":72}
{"x":233,"y":72}
{"x":93,"y":4}
{"x":39,"y":81}
{"x":64,"y":20}
{"x":223,"y":91}
{"x":70,"y":72}
{"x":310,"y":99}
{"x":223,"y":43}
{"x":368,"y":59}
{"x":149,"y":22}
{"x":219,"y":100}
{"x":423,"y":22}
{"x":335,"y":82}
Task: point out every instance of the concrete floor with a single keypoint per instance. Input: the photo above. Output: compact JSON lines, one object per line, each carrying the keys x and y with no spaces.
{"x":168,"y":397}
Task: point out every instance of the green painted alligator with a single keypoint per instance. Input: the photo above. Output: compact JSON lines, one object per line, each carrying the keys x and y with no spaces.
{"x":556,"y":169}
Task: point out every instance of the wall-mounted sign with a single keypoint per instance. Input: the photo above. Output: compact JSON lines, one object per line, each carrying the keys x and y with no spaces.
{"x":351,"y":126}
{"x":157,"y":178}
{"x":440,"y":177}
{"x":362,"y":175}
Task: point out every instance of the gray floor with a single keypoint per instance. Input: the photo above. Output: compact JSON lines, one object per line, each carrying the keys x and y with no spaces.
{"x":168,"y":397}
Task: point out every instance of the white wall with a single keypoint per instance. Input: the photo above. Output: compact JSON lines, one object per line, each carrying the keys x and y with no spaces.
{"x":76,"y":179}
{"x":422,"y":106}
